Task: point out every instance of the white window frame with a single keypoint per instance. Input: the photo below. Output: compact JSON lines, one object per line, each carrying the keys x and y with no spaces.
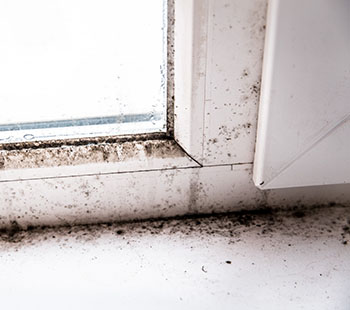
{"x":131,"y":153}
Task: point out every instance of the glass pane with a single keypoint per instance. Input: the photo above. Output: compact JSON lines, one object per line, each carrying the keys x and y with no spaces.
{"x":78,"y":68}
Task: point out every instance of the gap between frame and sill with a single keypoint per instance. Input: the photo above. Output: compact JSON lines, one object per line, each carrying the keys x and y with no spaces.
{"x":248,"y":164}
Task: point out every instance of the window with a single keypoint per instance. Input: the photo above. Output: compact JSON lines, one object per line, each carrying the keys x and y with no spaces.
{"x":73,"y":69}
{"x":97,"y":136}
{"x":202,"y":163}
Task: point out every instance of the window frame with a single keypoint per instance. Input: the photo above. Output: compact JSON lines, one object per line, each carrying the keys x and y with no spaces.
{"x":189,"y":174}
{"x":51,"y":159}
{"x":208,"y":180}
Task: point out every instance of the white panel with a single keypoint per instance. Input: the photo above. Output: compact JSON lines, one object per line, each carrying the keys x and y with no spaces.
{"x":310,"y":168}
{"x":305,"y":95}
{"x":190,"y":73}
{"x":127,"y":196}
{"x":235,"y":49}
{"x":149,"y":194}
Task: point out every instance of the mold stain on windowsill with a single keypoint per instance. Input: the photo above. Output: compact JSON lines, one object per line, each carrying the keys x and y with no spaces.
{"x":313,"y":223}
{"x":39,"y":155}
{"x":197,"y":262}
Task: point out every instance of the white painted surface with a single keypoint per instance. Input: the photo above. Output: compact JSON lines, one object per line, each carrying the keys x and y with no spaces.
{"x":216,"y":116}
{"x":126,"y":196}
{"x":149,"y":194}
{"x":304,"y":110}
{"x":191,"y":23}
{"x":276,"y":262}
{"x":235,"y":47}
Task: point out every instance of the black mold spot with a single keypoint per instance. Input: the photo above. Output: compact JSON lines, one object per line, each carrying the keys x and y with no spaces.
{"x":255,"y":89}
{"x":12,"y":234}
{"x":245,"y":73}
{"x":2,"y":162}
{"x":298,"y":214}
{"x":245,"y":219}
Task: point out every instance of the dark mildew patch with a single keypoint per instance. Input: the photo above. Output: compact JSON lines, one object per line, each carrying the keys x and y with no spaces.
{"x":250,"y":93}
{"x":67,"y":155}
{"x":319,"y":223}
{"x":160,"y":149}
{"x":2,"y":161}
{"x":235,"y":132}
{"x":170,"y":67}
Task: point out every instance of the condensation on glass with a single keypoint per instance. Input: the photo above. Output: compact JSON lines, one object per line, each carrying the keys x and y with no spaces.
{"x":82,"y":68}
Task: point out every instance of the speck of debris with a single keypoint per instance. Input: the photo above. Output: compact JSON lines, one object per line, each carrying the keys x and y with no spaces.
{"x":228,"y":262}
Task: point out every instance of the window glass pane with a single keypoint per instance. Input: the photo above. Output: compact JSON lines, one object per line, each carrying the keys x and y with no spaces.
{"x":75,"y":68}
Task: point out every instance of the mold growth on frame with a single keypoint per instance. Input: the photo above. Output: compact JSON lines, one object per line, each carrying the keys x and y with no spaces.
{"x":170,"y":66}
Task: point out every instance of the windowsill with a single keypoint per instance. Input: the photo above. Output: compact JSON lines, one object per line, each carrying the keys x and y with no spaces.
{"x":289,"y":260}
{"x":47,"y":159}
